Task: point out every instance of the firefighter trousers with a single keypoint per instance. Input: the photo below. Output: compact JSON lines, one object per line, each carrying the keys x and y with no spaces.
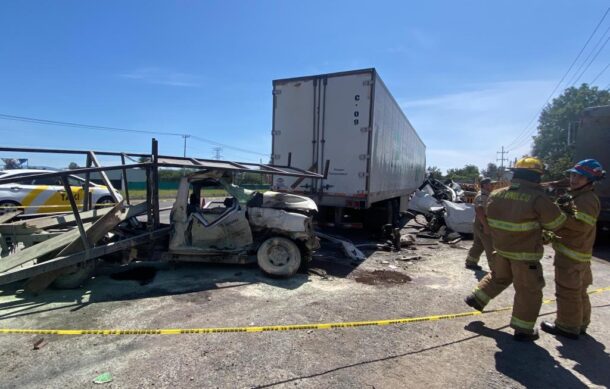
{"x":481,"y":242}
{"x":571,"y":281}
{"x":528,"y":281}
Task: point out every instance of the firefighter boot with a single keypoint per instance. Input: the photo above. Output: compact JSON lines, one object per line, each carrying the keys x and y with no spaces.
{"x":525,"y":336}
{"x":553,"y":329}
{"x":472,"y":301}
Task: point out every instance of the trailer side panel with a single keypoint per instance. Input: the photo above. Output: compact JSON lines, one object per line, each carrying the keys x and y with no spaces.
{"x":398,"y":157}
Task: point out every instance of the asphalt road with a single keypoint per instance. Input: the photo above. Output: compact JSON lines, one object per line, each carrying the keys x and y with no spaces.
{"x":474,"y":352}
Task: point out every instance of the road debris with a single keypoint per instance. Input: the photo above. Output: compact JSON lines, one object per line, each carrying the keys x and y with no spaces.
{"x":103,"y":378}
{"x":348,"y":248}
{"x":318,"y":272}
{"x":39,"y":343}
{"x":374,"y":246}
{"x":426,"y":242}
{"x":411,"y":258}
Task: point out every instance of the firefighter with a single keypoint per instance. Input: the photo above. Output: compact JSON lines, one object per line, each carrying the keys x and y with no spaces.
{"x":573,"y":247}
{"x":480,"y":229}
{"x":516,"y":216}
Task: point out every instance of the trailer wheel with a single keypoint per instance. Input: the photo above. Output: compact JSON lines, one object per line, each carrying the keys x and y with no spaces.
{"x":279,"y":257}
{"x":76,"y":277}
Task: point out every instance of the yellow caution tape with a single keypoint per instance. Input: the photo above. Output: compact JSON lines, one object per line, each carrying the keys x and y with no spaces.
{"x":276,"y":328}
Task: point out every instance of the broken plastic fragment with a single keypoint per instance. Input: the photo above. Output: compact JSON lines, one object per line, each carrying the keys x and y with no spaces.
{"x":103,"y":378}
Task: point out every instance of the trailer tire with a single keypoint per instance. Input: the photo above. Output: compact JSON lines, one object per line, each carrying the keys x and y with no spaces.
{"x":279,"y":257}
{"x":76,"y":277}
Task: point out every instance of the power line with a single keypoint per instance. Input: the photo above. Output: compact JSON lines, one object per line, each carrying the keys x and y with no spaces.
{"x":574,"y":79}
{"x":523,"y":134}
{"x":227,"y":146}
{"x":520,"y":145}
{"x":592,"y":59}
{"x":123,"y":130}
{"x":600,"y":73}
{"x":80,"y":125}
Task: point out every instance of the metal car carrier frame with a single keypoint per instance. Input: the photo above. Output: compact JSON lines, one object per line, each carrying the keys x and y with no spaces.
{"x":81,"y":249}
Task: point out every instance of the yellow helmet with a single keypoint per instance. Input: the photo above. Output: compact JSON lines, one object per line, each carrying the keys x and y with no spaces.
{"x":530,"y":163}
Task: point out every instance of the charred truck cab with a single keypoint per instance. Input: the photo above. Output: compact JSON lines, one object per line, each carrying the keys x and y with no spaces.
{"x":274,"y":229}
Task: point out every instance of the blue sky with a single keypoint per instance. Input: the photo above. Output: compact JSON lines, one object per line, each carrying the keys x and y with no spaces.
{"x":470,"y":75}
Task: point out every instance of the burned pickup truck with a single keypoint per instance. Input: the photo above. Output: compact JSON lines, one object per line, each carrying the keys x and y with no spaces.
{"x":273,"y":229}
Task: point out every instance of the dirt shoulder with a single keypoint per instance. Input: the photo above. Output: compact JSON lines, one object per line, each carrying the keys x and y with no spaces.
{"x":466,"y":352}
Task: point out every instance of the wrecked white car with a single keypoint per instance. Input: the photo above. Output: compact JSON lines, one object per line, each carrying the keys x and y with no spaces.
{"x":274,"y":229}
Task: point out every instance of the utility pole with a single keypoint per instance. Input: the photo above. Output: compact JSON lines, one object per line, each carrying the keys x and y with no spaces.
{"x":502,"y":159}
{"x":217,"y":151}
{"x":185,"y":137}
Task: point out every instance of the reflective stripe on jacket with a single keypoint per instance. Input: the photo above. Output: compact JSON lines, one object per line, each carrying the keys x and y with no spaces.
{"x":575,"y":239}
{"x":517,"y":215}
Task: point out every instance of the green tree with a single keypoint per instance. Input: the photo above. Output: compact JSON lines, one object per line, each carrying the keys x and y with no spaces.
{"x":468,"y":173}
{"x":493,"y":171}
{"x":170,"y":175}
{"x":551,"y":142}
{"x":434,"y":172}
{"x":73,"y":165}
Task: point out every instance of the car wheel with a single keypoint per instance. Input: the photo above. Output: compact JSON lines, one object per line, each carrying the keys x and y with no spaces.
{"x":104,"y":202}
{"x":8,"y":206}
{"x":279,"y":257}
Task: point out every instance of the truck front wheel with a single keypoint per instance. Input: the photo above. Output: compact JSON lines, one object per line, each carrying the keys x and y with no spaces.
{"x":279,"y":257}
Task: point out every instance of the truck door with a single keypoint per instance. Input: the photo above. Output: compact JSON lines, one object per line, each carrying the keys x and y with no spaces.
{"x":222,"y":227}
{"x":295,"y":106}
{"x":344,"y":133}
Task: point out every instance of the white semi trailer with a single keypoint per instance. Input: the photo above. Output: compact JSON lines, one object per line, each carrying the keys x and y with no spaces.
{"x":377,"y":159}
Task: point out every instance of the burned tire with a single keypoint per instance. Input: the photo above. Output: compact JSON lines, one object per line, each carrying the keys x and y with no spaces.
{"x":76,"y":277}
{"x":9,"y":206}
{"x":279,"y":257}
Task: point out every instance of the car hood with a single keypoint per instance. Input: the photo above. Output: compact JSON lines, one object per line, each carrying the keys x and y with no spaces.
{"x":288,"y":201}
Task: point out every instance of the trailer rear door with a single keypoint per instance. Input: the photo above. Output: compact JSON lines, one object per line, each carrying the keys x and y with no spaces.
{"x":344,"y":133}
{"x":295,"y":104}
